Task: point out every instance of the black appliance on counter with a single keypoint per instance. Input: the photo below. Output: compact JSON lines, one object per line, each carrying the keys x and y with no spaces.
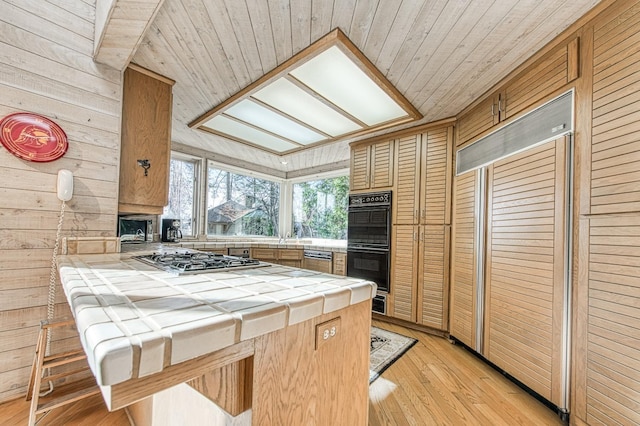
{"x":369,"y":242}
{"x":171,"y":232}
{"x":135,"y":229}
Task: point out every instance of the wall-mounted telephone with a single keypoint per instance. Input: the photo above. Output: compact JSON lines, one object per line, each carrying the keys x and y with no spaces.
{"x":64,"y":189}
{"x":65,"y":185}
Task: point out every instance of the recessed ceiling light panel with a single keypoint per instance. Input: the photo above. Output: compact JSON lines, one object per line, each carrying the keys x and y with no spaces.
{"x":337,"y":78}
{"x":325,"y":93}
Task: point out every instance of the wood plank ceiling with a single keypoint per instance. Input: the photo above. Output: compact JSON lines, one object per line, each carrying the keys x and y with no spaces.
{"x":441,"y":54}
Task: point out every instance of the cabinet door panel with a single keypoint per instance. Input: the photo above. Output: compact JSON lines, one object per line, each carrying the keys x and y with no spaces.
{"x":381,"y":165}
{"x":537,"y":82}
{"x":406,"y":196}
{"x":436,"y":176}
{"x":146,"y":135}
{"x":404,"y":268}
{"x":433,"y":296}
{"x":525,"y":270}
{"x":477,"y":120}
{"x":462,"y":323}
{"x":615,"y":152}
{"x":359,"y":168}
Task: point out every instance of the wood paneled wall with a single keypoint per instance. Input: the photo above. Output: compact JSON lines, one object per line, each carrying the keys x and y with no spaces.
{"x":46,"y":67}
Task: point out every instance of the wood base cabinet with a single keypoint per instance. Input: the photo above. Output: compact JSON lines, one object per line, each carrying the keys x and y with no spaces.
{"x":146,"y":142}
{"x":420,"y":275}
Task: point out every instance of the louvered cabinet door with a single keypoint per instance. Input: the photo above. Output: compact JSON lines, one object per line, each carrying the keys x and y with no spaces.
{"x":433,"y":276}
{"x":359,"y":172}
{"x":407,"y":191}
{"x":381,"y":167}
{"x":615,"y":149}
{"x":436,"y":175}
{"x":462,"y":323}
{"x":477,"y":120}
{"x":524,"y":292}
{"x":404,"y":268}
{"x":553,"y":72}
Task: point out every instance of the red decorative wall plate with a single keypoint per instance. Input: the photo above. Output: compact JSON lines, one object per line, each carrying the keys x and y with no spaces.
{"x":33,"y":137}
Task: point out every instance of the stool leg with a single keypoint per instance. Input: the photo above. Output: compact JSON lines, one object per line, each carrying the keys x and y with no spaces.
{"x":36,"y":378}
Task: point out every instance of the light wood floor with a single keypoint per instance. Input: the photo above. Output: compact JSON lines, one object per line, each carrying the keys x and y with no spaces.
{"x":434,"y":383}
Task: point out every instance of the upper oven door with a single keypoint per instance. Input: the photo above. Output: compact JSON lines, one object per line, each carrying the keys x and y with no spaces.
{"x":369,"y":227}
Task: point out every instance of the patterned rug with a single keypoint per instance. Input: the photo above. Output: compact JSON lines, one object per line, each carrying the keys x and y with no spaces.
{"x":386,"y":348}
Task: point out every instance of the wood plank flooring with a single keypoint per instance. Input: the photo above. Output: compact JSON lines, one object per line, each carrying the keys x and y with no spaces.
{"x":434,"y":383}
{"x":438,"y":383}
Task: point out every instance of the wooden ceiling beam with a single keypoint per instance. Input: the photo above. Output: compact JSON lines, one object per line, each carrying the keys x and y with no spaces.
{"x":120,"y":27}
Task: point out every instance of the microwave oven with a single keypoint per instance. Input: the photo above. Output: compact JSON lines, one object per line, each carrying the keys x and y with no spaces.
{"x":135,"y":230}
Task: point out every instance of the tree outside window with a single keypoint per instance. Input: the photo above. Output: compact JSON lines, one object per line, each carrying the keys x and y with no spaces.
{"x":182,"y":179}
{"x":320,"y":208}
{"x":241,"y":205}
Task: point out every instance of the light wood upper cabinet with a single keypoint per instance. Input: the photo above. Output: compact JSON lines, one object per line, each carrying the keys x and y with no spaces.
{"x":146,"y":135}
{"x":423,"y":178}
{"x":549,"y":75}
{"x":372,"y":166}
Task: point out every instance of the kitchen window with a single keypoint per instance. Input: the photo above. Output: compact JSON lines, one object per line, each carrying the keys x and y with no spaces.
{"x":320,"y":208}
{"x":183,"y":194}
{"x":240,"y":204}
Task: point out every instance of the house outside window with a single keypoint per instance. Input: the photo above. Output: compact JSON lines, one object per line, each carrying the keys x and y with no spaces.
{"x":320,"y":208}
{"x":182,"y":205}
{"x":239,"y":205}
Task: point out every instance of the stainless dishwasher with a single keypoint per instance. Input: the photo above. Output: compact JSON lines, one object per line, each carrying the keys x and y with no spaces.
{"x":318,"y":260}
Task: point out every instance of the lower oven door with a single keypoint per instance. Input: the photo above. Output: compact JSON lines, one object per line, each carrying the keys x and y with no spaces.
{"x":369,"y":264}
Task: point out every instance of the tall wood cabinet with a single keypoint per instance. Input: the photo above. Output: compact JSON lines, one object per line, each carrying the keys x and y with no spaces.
{"x":146,"y":136}
{"x":606,"y":388}
{"x":421,"y":232}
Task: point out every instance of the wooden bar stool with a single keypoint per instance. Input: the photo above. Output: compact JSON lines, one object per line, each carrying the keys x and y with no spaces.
{"x":64,"y":394}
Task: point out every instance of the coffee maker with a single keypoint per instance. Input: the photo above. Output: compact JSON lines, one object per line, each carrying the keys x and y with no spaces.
{"x":171,"y":232}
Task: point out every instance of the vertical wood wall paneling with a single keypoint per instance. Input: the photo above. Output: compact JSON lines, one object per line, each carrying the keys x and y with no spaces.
{"x":462,"y":321}
{"x":47,"y":68}
{"x":525,"y":267}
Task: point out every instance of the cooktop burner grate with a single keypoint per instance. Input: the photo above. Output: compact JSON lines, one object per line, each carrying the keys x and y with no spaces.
{"x":197,"y":262}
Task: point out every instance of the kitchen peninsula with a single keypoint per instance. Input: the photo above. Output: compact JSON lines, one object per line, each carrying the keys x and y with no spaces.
{"x":290,"y":345}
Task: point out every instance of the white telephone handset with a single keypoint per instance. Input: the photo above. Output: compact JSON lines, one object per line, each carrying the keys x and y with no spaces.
{"x":65,"y":185}
{"x":65,"y":192}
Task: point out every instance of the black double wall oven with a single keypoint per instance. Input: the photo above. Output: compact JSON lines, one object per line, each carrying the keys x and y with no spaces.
{"x":369,"y":242}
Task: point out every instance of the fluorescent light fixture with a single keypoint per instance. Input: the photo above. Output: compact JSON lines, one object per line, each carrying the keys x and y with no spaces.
{"x":325,"y":93}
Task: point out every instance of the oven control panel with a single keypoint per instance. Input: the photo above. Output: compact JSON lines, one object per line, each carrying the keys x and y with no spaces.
{"x":370,"y":199}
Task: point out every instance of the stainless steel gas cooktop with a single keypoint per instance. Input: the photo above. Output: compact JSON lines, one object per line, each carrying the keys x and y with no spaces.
{"x":193,"y":262}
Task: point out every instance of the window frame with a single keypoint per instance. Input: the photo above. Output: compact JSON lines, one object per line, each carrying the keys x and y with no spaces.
{"x":244,"y":172}
{"x":197,"y":191}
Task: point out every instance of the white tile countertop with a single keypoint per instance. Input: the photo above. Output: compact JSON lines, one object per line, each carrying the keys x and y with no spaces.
{"x":135,"y":320}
